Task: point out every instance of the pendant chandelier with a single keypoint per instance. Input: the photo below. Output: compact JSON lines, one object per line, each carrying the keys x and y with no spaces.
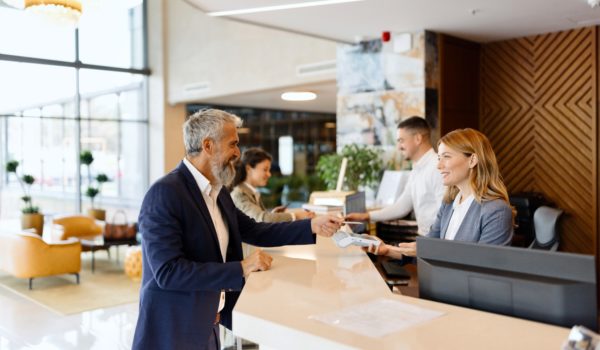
{"x":64,"y":12}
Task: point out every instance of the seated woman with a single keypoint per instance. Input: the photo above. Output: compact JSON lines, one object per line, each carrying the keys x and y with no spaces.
{"x":254,"y":170}
{"x":475,"y":207}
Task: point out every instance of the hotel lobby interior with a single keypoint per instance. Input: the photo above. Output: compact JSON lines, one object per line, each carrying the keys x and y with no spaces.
{"x":95,"y":93}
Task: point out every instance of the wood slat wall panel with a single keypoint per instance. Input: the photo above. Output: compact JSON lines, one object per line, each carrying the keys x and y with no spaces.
{"x":538,"y":107}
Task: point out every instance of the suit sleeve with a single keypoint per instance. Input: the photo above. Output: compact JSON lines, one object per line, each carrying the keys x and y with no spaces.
{"x":496,"y":223}
{"x":163,"y":248}
{"x":274,"y":234}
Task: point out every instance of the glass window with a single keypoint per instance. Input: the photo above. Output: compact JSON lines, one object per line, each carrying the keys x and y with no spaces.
{"x":119,"y":44}
{"x":41,"y":127}
{"x":95,"y":82}
{"x":26,"y":85}
{"x":24,"y":35}
{"x":133,"y":164}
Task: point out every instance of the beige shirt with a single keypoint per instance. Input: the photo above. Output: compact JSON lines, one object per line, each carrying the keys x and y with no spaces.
{"x":209,"y":194}
{"x":247,"y":199}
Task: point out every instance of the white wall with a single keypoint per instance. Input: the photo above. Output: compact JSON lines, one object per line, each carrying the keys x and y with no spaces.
{"x":235,"y":57}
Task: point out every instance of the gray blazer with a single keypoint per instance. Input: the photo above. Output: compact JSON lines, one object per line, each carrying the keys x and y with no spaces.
{"x":489,"y":222}
{"x":246,"y":201}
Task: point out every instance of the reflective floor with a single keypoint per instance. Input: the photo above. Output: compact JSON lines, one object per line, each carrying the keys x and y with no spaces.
{"x":27,"y":325}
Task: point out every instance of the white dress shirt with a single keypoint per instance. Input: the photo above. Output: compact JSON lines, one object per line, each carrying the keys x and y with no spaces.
{"x":459,"y":211}
{"x":209,"y":194}
{"x":423,"y":193}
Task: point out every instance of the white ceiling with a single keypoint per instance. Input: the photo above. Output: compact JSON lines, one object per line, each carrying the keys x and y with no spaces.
{"x":477,"y":20}
{"x":271,"y":99}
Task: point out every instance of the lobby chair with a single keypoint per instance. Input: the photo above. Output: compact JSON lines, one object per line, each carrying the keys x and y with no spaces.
{"x":545,"y":223}
{"x":26,"y":255}
{"x":78,"y":226}
{"x":86,"y":230}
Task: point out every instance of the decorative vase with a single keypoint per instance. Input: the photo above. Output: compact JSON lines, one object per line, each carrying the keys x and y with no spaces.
{"x":35,"y":221}
{"x":98,"y":214}
{"x":133,"y":263}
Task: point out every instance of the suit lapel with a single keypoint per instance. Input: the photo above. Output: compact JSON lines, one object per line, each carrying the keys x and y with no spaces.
{"x":192,"y":186}
{"x":467,"y":221}
{"x":446,"y":220}
{"x":252,"y":196}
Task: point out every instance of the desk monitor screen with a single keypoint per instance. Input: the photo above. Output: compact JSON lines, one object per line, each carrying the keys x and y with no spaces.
{"x":551,"y":287}
{"x":356,"y":203}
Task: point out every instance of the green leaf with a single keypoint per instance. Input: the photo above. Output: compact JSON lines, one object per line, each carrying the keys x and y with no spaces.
{"x":102,"y":178}
{"x":30,"y":210}
{"x":11,"y":166}
{"x":92,"y":192}
{"x":364,"y":166}
{"x":86,"y":157}
{"x":28,"y":179}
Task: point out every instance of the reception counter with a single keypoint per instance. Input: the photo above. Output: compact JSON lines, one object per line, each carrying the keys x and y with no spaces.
{"x":279,"y":308}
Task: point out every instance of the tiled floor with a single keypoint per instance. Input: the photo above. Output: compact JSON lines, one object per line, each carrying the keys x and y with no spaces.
{"x":27,"y":325}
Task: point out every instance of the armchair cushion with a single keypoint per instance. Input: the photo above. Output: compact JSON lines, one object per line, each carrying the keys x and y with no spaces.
{"x":26,"y":255}
{"x":78,"y":226}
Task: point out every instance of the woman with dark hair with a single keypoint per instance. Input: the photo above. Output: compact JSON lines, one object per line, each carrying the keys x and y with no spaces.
{"x":475,"y":207}
{"x":254,"y":170}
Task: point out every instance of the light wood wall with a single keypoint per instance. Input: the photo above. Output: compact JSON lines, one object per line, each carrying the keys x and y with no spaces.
{"x":539,"y":98}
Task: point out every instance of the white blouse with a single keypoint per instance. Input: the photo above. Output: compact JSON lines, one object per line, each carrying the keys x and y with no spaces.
{"x":459,"y":211}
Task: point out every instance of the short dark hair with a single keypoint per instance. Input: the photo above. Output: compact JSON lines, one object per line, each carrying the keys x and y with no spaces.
{"x":251,"y":156}
{"x":415,"y":124}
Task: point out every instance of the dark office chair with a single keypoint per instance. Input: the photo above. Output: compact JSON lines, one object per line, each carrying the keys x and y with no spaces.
{"x":545,"y":222}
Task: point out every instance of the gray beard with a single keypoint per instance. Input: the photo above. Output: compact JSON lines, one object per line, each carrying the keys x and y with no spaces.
{"x":223,"y":174}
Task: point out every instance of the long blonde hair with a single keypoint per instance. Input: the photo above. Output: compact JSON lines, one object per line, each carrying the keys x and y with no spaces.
{"x":485,"y":178}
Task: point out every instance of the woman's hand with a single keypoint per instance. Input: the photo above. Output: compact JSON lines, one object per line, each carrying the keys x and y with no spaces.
{"x":408,"y":249}
{"x":381,"y":249}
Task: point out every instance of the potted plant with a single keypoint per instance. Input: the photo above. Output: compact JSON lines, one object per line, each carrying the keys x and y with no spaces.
{"x":31,"y":217}
{"x":86,"y":158}
{"x":364,"y":167}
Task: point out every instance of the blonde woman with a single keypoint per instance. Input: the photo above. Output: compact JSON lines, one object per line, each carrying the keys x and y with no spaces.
{"x":475,"y":207}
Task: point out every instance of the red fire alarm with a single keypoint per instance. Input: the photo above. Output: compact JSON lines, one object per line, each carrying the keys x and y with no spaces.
{"x":385,"y":36}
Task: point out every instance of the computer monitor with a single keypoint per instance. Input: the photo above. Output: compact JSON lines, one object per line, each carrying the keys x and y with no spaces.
{"x":391,"y":186}
{"x":551,"y":287}
{"x":356,"y":203}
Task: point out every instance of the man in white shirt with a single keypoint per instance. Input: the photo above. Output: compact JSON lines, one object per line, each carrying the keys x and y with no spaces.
{"x":424,"y":189}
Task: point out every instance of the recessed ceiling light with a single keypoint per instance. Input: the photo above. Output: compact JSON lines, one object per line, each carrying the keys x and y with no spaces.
{"x":278,"y":7}
{"x":298,"y":96}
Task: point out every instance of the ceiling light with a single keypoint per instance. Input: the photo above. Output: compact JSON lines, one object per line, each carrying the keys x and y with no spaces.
{"x":278,"y":7}
{"x":298,"y":96}
{"x":55,"y":11}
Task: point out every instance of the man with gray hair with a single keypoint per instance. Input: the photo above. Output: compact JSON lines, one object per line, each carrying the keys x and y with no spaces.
{"x":192,"y":234}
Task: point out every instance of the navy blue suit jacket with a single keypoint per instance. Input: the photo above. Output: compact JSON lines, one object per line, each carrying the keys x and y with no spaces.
{"x":183,"y":270}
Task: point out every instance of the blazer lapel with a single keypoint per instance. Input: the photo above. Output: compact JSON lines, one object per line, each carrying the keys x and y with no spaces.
{"x":468,"y":222}
{"x":251,"y":195}
{"x":192,"y":186}
{"x":446,"y":220}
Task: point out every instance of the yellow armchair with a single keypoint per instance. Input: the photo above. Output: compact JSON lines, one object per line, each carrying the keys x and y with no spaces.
{"x":78,"y":226}
{"x":26,"y":255}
